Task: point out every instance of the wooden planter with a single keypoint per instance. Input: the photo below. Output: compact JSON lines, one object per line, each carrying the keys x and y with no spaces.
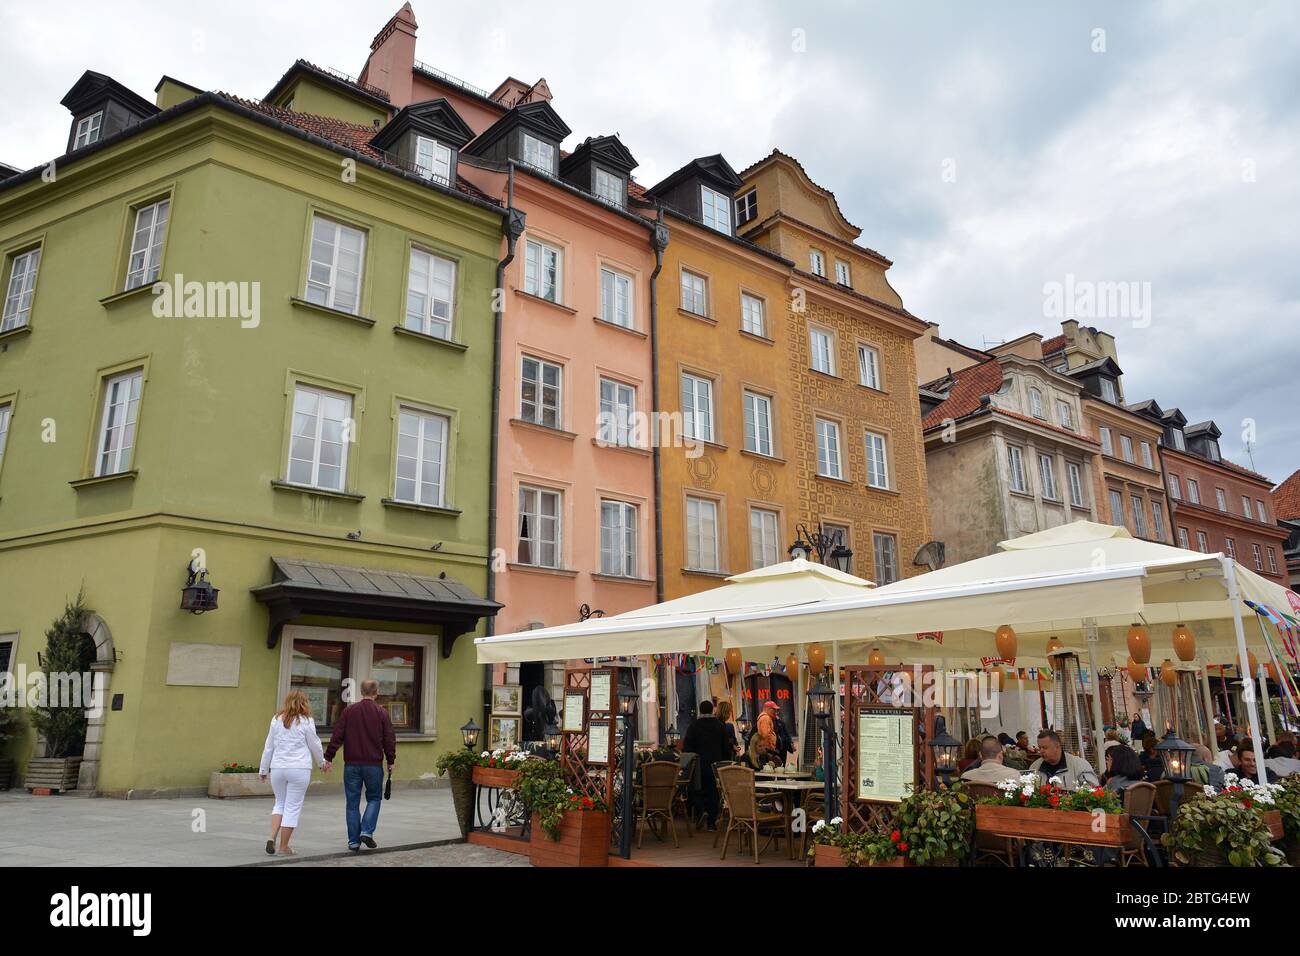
{"x":831,"y":856}
{"x":6,"y":772}
{"x":1273,"y":820}
{"x":57,"y":774}
{"x":224,"y":786}
{"x":1038,"y":823}
{"x":493,"y":777}
{"x":584,"y":840}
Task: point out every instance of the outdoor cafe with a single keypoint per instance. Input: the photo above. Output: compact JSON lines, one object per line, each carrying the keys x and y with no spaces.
{"x":874,"y":696}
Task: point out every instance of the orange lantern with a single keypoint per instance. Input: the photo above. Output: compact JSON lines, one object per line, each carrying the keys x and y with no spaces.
{"x":1006,"y":642}
{"x":1168,"y":674}
{"x":735,"y":660}
{"x":792,"y":666}
{"x":816,"y":659}
{"x":876,"y":658}
{"x":1054,"y":644}
{"x":1139,"y":644}
{"x":1184,"y":643}
{"x":1272,"y":674}
{"x":1137,"y":671}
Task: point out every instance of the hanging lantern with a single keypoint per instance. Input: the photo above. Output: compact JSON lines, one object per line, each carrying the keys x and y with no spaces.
{"x":816,"y":658}
{"x":1137,"y":672}
{"x":876,"y":658}
{"x":792,"y":666}
{"x":1006,"y":642}
{"x":1168,"y":674}
{"x":1139,"y":644}
{"x":735,"y":661}
{"x":1054,"y":645}
{"x":1272,"y":674}
{"x":1184,"y":643}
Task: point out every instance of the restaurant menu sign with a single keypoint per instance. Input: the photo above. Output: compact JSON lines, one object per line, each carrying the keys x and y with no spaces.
{"x":574,"y":712}
{"x":886,"y":753}
{"x":600,"y":689}
{"x":598,"y":743}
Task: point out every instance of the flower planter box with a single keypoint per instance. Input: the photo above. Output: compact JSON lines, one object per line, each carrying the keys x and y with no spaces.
{"x":56,"y":774}
{"x":1061,"y":826}
{"x":831,"y":856}
{"x":228,"y":785}
{"x":493,"y":777}
{"x":1273,"y":820}
{"x":584,"y":840}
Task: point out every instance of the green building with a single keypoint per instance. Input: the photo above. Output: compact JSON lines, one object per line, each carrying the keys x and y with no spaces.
{"x":244,"y":338}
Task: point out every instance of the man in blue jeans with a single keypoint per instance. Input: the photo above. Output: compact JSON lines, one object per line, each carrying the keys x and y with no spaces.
{"x":365,"y":733}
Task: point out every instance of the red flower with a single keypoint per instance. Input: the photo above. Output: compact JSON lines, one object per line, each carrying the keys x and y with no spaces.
{"x":902,"y":847}
{"x":1054,"y":800}
{"x":587,"y":803}
{"x":1045,"y":788}
{"x":1247,"y":804}
{"x":895,"y":836}
{"x":1098,"y":792}
{"x":1024,"y":796}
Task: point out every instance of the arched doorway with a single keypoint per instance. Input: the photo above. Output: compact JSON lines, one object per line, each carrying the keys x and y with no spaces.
{"x":102,"y":668}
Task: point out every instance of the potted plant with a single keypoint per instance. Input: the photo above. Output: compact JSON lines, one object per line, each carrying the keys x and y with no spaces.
{"x":1262,"y":797}
{"x":498,"y":768}
{"x":833,"y":846}
{"x":567,"y":828}
{"x":236,"y":779}
{"x":1220,"y":829}
{"x":10,"y":726}
{"x":458,"y":765}
{"x":936,"y":826}
{"x":1029,"y":810}
{"x":61,"y":722}
{"x":1288,"y":806}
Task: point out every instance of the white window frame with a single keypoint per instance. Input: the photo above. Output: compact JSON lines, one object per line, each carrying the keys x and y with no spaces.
{"x":438,"y":166}
{"x":764,"y":537}
{"x":119,"y":415}
{"x":1065,"y":413}
{"x":817,"y":263}
{"x":760,"y":437}
{"x":823,"y":358}
{"x":1221,"y":499}
{"x":1109,"y":391}
{"x":695,"y":291}
{"x":317,"y":436}
{"x":531,"y":497}
{"x":1074,"y":477}
{"x":1260,"y":512}
{"x":607,"y":186}
{"x":1246,"y":507}
{"x":538,"y":153}
{"x":1036,"y":402}
{"x":328,"y":288}
{"x":1183,"y":541}
{"x":877,"y":452}
{"x":23,"y":269}
{"x":1230,"y":546}
{"x":1107,"y":442}
{"x":438,"y":291}
{"x":843,"y":273}
{"x":1272,"y":561}
{"x":827,"y":434}
{"x":697,"y":425}
{"x":1148,"y":456}
{"x":539,"y":406}
{"x":6,"y":416}
{"x":1047,"y":477}
{"x":1126,"y":449}
{"x":746,"y":207}
{"x":144,"y":264}
{"x":616,"y":298}
{"x":1175,"y":488}
{"x":88,"y":129}
{"x":753,"y":314}
{"x":1202,"y":542}
{"x":1019,"y":479}
{"x":1193,"y":491}
{"x":886,"y":557}
{"x":1117,"y":504}
{"x":621,"y":520}
{"x":698,"y":545}
{"x":617,"y":424}
{"x":429,"y":428}
{"x":715,"y":209}
{"x":1158,"y":521}
{"x":1139,"y":515}
{"x":869,"y":366}
{"x":1258,"y":554}
{"x":536,"y":268}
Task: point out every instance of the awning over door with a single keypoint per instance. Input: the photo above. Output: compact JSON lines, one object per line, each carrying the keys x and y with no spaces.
{"x":301,"y":587}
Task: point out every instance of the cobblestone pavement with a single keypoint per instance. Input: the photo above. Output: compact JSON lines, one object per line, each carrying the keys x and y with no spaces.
{"x":456,"y":854}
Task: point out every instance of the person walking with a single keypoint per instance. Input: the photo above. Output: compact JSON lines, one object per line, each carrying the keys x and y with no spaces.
{"x":706,"y":737}
{"x":365,"y":734}
{"x":291,"y":749}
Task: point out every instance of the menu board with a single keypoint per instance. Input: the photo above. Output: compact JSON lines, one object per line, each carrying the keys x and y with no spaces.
{"x":600,"y":686}
{"x":886,"y":753}
{"x":574,"y":712}
{"x":598,"y":743}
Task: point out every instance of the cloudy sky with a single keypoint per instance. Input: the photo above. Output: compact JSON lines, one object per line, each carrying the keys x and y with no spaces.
{"x":988,"y":149}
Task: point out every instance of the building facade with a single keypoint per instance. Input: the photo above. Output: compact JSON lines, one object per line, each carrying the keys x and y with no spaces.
{"x":1286,"y":507}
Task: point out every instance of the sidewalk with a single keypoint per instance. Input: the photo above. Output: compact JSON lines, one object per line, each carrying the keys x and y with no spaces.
{"x":74,"y":830}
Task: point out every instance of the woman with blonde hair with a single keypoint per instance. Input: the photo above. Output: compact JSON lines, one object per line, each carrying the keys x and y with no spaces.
{"x":291,"y":749}
{"x":724,"y":714}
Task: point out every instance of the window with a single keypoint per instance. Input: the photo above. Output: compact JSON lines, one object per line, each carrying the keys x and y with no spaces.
{"x":817,"y":263}
{"x":318,"y":446}
{"x":542,"y":390}
{"x":842,"y":273}
{"x":822,"y":344}
{"x":1108,"y":391}
{"x":1126,"y":447}
{"x":8,"y":642}
{"x":1117,"y":508}
{"x":695,"y":293}
{"x":1180,"y":440}
{"x":697,"y":408}
{"x":22,"y":283}
{"x":828,"y":448}
{"x":715,"y":208}
{"x":877,"y":461}
{"x":839,"y":535}
{"x":764,"y":537}
{"x":432,"y":159}
{"x":1202,"y":543}
{"x":1036,"y":403}
{"x":1075,"y":478}
{"x":1148,"y":458}
{"x":1182,"y":539}
{"x":746,"y":207}
{"x":430,"y":294}
{"x":1193,"y":491}
{"x":334,"y":272}
{"x":1260,"y":513}
{"x":1272,"y":561}
{"x":618,"y":528}
{"x":885,"y":547}
{"x":539,"y":527}
{"x":1221,"y":497}
{"x":1158,"y":521}
{"x":1212,"y":450}
{"x":1139,"y":515}
{"x":752,"y":317}
{"x":319,"y":669}
{"x":616,"y":298}
{"x":421,"y":458}
{"x":539,"y":154}
{"x":1107,"y":443}
{"x":543,"y":270}
{"x":1255,"y":552}
{"x":398,"y":668}
{"x":147,"y":237}
{"x":758,"y":423}
{"x":617,"y":409}
{"x":1047,"y":477}
{"x":1175,"y":488}
{"x":1245,"y":507}
{"x":1230,"y":545}
{"x":868,"y":366}
{"x":702,"y":534}
{"x":6,"y":413}
{"x":117,"y":421}
{"x":88,"y":129}
{"x":1066,"y":414}
{"x":609,"y":187}
{"x":1016,"y":464}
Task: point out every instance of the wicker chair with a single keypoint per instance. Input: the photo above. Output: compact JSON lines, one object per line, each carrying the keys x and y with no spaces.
{"x":1139,"y":801}
{"x":1165,"y":793}
{"x":687,"y":779}
{"x":658,"y":785}
{"x":724,"y":814}
{"x":987,"y":846}
{"x":745,"y":814}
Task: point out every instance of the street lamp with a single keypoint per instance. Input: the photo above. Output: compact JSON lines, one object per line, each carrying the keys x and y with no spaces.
{"x":742,"y":725}
{"x":554,"y":737}
{"x":946,"y":750}
{"x":801,"y":550}
{"x":1176,"y":755}
{"x":843,"y":557}
{"x":469,"y":734}
{"x":627,"y":701}
{"x":823,"y":704}
{"x":672,"y":736}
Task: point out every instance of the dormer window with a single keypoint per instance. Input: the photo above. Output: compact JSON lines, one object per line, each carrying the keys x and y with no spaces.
{"x":539,"y":154}
{"x":432,"y":159}
{"x":715,"y":210}
{"x":88,"y":128}
{"x":1108,"y":390}
{"x":607,"y":186}
{"x":1175,"y":439}
{"x":1212,"y":450}
{"x":746,"y":207}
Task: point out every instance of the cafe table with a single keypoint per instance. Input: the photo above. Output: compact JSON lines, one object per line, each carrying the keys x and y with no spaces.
{"x":796,"y":790}
{"x":783,"y":775}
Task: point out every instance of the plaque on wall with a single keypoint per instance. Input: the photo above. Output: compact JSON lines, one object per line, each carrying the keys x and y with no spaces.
{"x":598,"y":743}
{"x":600,"y":691}
{"x":574,"y":712}
{"x":203,"y":665}
{"x":886,"y":753}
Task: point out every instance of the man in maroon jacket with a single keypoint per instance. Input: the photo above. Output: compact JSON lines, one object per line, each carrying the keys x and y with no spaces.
{"x":365,"y":733}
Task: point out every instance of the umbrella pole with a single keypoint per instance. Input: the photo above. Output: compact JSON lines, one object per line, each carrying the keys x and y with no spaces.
{"x":1097,"y":737}
{"x":1211,"y":740}
{"x":1252,"y":710}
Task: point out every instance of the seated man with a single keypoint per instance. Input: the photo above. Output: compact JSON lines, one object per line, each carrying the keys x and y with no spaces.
{"x":1246,"y":766}
{"x":1055,"y":762}
{"x":991,"y":769}
{"x":1282,"y":760}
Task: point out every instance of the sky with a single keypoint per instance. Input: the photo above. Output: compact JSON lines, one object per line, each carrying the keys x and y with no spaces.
{"x":998,"y":153}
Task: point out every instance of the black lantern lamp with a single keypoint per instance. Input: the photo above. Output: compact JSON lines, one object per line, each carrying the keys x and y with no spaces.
{"x":198,"y":595}
{"x":822,"y":697}
{"x":1176,"y":755}
{"x":469,"y":734}
{"x":843,"y":557}
{"x":627,"y":699}
{"x":742,"y":725}
{"x":672,"y":736}
{"x":823,"y":703}
{"x":947,"y":751}
{"x":801,"y":550}
{"x":554,"y":738}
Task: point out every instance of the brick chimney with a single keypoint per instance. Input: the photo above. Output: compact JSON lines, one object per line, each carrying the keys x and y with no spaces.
{"x":392,"y":57}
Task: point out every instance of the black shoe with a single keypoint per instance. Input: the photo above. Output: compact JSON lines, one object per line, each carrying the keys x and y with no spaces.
{"x":270,"y":847}
{"x":355,"y":849}
{"x":369,"y":841}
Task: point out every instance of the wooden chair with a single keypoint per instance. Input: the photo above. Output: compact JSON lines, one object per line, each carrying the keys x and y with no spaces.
{"x":814,"y":809}
{"x":745,"y":815}
{"x":724,"y":815}
{"x":1165,"y":793}
{"x":988,"y":846}
{"x":1139,"y":800}
{"x":658,"y":785}
{"x":687,"y":778}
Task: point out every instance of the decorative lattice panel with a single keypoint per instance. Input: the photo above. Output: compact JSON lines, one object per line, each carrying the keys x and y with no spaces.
{"x":599,"y":781}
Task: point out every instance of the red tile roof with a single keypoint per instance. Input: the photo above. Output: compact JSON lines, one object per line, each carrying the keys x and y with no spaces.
{"x":1054,"y":344}
{"x":969,"y":386}
{"x":1233,"y":466}
{"x":1286,"y":498}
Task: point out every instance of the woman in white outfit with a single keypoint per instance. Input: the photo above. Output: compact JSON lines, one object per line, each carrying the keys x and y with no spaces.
{"x":292,"y":748}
